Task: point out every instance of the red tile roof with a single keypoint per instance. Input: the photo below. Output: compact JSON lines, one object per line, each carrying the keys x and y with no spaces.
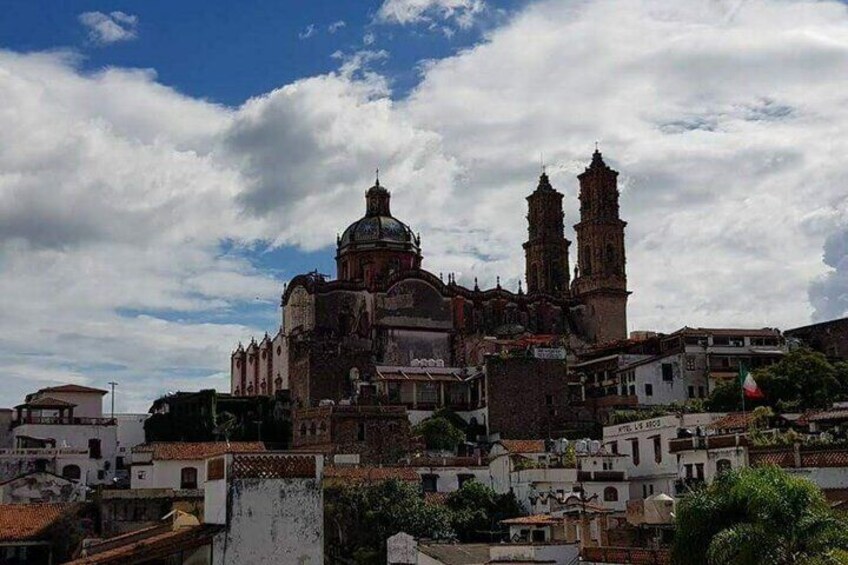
{"x":733,"y":421}
{"x":182,"y":450}
{"x":25,"y":522}
{"x":534,"y":520}
{"x":837,"y":414}
{"x":151,"y":549}
{"x":73,"y":388}
{"x":367,"y":474}
{"x":47,"y":402}
{"x":523,"y":445}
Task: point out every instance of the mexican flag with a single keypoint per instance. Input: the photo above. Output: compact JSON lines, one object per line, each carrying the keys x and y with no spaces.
{"x":749,"y":385}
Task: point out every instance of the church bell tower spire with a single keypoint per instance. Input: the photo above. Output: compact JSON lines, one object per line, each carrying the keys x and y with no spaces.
{"x":546,"y":249}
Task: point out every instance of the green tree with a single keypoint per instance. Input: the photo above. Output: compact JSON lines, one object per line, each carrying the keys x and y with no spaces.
{"x":758,"y":516}
{"x":802,"y":378}
{"x":726,"y":397}
{"x":359,"y":519}
{"x":476,"y":511}
{"x":439,"y":433}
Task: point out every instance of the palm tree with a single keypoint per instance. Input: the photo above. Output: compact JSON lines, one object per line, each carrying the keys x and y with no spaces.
{"x":759,"y":516}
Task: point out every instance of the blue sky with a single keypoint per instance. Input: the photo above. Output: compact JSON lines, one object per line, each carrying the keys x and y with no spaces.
{"x":165,"y":167}
{"x":226,"y":54}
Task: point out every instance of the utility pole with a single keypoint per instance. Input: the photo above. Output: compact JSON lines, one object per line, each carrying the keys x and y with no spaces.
{"x":113,"y":384}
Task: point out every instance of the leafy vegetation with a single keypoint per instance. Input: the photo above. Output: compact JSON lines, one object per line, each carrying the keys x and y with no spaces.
{"x":439,"y":433}
{"x":359,"y":519}
{"x":802,"y":380}
{"x":758,"y":516}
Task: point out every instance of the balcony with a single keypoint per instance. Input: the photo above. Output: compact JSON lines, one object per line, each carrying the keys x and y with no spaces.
{"x":635,"y":555}
{"x":63,"y":421}
{"x":707,"y":442}
{"x":42,"y":452}
{"x":600,"y":476}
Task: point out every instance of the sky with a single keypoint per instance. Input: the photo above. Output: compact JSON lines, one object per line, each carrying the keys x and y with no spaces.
{"x":166,"y":167}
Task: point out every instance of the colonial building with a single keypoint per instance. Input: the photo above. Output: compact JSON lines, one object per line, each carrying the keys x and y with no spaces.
{"x":411,"y":338}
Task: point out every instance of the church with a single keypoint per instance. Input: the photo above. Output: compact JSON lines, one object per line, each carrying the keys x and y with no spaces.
{"x":388,"y":331}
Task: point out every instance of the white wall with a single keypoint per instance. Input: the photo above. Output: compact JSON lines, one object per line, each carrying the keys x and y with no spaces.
{"x":273,"y":522}
{"x":77,"y":436}
{"x":88,"y":404}
{"x":448,"y":477}
{"x":166,"y":474}
{"x":130,"y":433}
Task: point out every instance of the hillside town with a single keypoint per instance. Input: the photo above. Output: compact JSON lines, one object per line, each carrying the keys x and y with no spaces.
{"x":397,"y":416}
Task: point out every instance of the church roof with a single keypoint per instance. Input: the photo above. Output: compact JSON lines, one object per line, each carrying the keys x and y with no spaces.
{"x":378,"y":228}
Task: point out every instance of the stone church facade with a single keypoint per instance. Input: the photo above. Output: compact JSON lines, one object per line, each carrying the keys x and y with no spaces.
{"x":387,"y":331}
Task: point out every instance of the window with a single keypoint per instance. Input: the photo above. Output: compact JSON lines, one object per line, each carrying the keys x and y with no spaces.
{"x":644,"y":491}
{"x":651,"y":489}
{"x":614,"y":447}
{"x":688,"y":468}
{"x":699,"y":471}
{"x":634,"y":450}
{"x":429,"y":482}
{"x":657,"y":449}
{"x":610,"y":494}
{"x":691,"y":391}
{"x":649,"y":389}
{"x":463,"y":478}
{"x":428,"y":393}
{"x":690,"y":362}
{"x":539,"y":536}
{"x":303,"y":429}
{"x":141,"y":475}
{"x":549,"y":399}
{"x":632,"y":390}
{"x":72,"y":472}
{"x":360,"y":431}
{"x":667,"y":372}
{"x":701,"y":392}
{"x":94,"y":448}
{"x":188,"y":478}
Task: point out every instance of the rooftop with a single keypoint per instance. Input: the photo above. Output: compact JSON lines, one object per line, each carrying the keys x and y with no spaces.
{"x":523,"y":445}
{"x":179,"y":450}
{"x":458,"y":553}
{"x":74,"y":388}
{"x":150,"y":549}
{"x":368,"y":474}
{"x":30,"y":522}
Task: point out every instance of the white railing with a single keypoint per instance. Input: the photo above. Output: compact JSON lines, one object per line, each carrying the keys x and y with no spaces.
{"x":43,"y":452}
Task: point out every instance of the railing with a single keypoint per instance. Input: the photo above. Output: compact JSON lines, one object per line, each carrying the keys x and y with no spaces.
{"x":637,"y":556}
{"x":42,"y":452}
{"x":707,"y":442}
{"x":600,"y":475}
{"x":63,"y":421}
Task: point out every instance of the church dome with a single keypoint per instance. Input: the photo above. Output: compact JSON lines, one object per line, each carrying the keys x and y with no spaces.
{"x":378,"y":229}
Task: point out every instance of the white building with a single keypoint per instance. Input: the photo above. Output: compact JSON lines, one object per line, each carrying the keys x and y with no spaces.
{"x":179,"y":465}
{"x":62,"y":429}
{"x":650,"y":466}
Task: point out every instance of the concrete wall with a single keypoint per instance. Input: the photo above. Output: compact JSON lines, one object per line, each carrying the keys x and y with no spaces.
{"x":88,"y":404}
{"x":165,"y":474}
{"x":76,"y":437}
{"x":273,"y":521}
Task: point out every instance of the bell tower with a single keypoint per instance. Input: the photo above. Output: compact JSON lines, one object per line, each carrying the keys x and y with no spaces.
{"x":601,"y":280}
{"x":546,"y":249}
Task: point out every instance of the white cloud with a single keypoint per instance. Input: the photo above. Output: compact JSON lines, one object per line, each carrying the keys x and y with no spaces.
{"x":109,"y":28}
{"x":115,"y":192}
{"x":404,"y":12}
{"x":369,"y":38}
{"x":308,"y":32}
{"x":336,"y":26}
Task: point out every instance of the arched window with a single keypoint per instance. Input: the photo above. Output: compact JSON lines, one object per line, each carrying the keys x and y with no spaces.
{"x":303,"y":429}
{"x":723,"y":465}
{"x":610,"y":494}
{"x":72,"y":472}
{"x":312,"y":429}
{"x":188,"y":478}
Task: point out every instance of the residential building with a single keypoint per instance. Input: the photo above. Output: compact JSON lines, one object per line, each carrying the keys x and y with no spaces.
{"x":179,"y":465}
{"x":62,"y":429}
{"x":650,"y":466}
{"x":830,"y":338}
{"x":40,"y":533}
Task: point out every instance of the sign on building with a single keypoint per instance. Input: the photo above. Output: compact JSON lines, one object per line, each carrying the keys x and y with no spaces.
{"x":549,"y":353}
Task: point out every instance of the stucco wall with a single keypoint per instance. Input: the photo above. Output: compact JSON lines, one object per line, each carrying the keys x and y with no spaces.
{"x":166,"y":474}
{"x":273,"y":521}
